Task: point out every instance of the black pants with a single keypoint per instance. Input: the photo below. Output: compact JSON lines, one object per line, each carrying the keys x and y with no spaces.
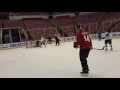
{"x":108,"y":41}
{"x":83,"y":54}
{"x":57,"y":42}
{"x":37,"y":45}
{"x":99,"y":37}
{"x":43,"y":43}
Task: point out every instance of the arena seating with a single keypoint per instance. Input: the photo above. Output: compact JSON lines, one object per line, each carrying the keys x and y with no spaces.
{"x":10,"y":23}
{"x":113,"y":15}
{"x":88,"y":18}
{"x":65,"y":24}
{"x":116,"y":28}
{"x":42,"y":32}
{"x":39,"y":28}
{"x":30,"y":24}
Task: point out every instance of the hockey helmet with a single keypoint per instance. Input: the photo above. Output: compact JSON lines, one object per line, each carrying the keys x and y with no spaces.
{"x":80,"y":26}
{"x":109,"y":30}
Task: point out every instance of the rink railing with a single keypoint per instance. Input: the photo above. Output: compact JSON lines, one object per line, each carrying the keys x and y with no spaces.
{"x":64,"y":39}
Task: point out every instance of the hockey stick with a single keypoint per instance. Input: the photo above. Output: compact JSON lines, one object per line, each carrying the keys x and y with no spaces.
{"x":99,"y":49}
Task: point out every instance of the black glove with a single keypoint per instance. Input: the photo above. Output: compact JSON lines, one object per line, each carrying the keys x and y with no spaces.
{"x":74,"y":45}
{"x":103,"y":37}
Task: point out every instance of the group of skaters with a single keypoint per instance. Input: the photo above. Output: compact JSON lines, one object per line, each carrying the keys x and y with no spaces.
{"x":42,"y":41}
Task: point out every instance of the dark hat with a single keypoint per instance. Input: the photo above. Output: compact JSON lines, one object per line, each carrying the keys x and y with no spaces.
{"x":80,"y":26}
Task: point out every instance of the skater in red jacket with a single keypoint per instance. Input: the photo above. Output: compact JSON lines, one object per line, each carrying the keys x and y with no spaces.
{"x":85,"y":44}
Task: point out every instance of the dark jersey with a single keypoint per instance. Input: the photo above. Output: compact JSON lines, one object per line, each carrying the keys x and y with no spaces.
{"x":56,"y":38}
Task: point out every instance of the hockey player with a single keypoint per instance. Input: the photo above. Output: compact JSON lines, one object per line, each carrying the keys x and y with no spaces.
{"x":57,"y":40}
{"x":108,"y":39}
{"x":99,"y":36}
{"x":42,"y":41}
{"x":37,"y":44}
{"x":85,"y":44}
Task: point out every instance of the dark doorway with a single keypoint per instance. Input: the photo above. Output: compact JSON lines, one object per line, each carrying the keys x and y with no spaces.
{"x":15,"y":35}
{"x":5,"y":37}
{"x":12,"y":35}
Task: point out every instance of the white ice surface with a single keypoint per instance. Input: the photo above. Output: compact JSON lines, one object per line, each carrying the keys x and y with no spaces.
{"x":60,"y":62}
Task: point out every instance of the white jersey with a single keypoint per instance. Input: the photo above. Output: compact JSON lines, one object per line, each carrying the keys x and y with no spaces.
{"x":58,"y":36}
{"x":42,"y":40}
{"x":108,"y":36}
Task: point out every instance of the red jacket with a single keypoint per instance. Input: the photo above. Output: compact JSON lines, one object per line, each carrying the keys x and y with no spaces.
{"x":83,"y":39}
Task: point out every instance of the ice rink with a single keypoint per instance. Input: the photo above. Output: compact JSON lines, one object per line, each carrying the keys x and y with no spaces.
{"x":60,"y":62}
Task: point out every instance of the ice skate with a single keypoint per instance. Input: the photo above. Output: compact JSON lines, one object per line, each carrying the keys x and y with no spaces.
{"x":106,"y":49}
{"x":84,"y":73}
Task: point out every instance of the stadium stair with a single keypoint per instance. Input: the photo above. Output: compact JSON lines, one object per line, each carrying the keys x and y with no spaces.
{"x":21,"y":22}
{"x":58,"y":29}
